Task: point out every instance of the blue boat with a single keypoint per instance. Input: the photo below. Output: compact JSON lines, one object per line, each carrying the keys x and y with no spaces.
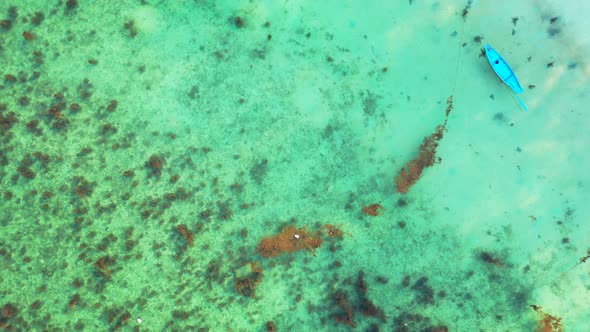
{"x":504,"y":71}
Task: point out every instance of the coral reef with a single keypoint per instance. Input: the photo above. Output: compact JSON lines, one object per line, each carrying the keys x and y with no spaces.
{"x":155,"y":165}
{"x":366,"y":306}
{"x":9,"y":310}
{"x":411,"y":172}
{"x":347,"y":308}
{"x":248,"y":278}
{"x":29,"y":36}
{"x":188,"y":237}
{"x":271,"y":327}
{"x":259,"y":170}
{"x":131,"y":28}
{"x":489,"y":258}
{"x":102,"y":266}
{"x":8,"y":313}
{"x":346,"y":315}
{"x":213,"y":272}
{"x":82,"y":187}
{"x":289,"y":240}
{"x":424,"y":293}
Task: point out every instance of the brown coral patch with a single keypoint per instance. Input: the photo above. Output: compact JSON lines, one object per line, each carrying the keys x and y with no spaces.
{"x":333,"y":231}
{"x":411,"y":172}
{"x":547,"y":322}
{"x":289,"y":240}
{"x":373,"y":209}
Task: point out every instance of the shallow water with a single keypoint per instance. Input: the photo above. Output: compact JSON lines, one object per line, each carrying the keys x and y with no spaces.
{"x":154,"y":153}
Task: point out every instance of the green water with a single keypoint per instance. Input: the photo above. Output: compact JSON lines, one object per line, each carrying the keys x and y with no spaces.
{"x":148,"y":147}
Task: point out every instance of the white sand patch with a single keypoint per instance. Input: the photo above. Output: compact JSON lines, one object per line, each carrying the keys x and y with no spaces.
{"x":147,"y":19}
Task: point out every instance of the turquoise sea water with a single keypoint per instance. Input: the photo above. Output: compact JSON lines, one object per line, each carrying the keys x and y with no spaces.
{"x":148,"y":147}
